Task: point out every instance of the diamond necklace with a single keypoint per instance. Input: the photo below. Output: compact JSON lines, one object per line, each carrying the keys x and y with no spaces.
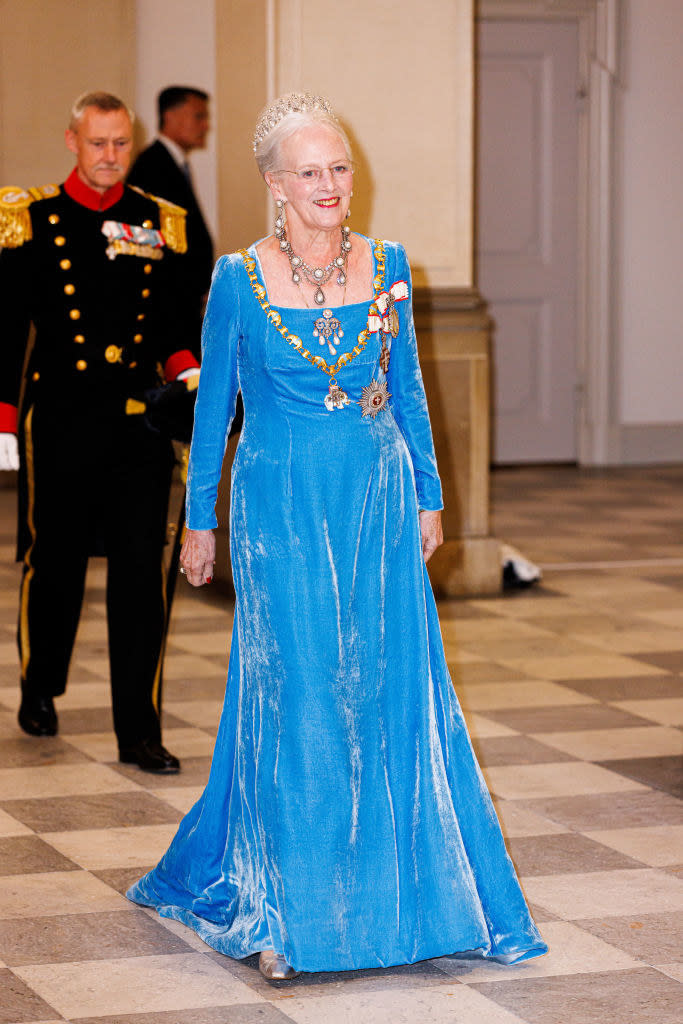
{"x":317,"y":276}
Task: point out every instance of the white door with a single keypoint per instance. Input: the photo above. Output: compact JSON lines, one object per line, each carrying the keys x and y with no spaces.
{"x":527,"y":161}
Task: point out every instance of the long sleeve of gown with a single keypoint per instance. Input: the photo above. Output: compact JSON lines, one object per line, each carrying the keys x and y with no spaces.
{"x":408,"y":400}
{"x":216,"y":397}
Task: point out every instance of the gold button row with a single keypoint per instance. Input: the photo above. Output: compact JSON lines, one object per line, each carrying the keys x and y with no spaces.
{"x":82,"y":365}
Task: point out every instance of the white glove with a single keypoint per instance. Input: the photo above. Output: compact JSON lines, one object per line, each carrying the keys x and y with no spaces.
{"x":9,"y":452}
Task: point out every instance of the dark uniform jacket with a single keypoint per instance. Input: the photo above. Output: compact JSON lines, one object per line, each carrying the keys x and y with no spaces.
{"x":111,"y":316}
{"x":157,"y":172}
{"x":106,"y":321}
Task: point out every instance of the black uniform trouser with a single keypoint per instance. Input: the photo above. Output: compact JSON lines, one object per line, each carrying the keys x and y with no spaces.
{"x":95,"y":486}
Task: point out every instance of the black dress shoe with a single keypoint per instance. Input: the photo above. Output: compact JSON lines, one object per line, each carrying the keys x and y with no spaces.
{"x":151,"y":757}
{"x":37,"y":715}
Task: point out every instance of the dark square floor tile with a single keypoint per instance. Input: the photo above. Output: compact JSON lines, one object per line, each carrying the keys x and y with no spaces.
{"x":31,"y":751}
{"x":75,"y":721}
{"x":105,"y":810}
{"x":203,"y":688}
{"x":121,"y":879}
{"x":73,"y":937}
{"x":670,"y":661}
{"x":26,"y":855}
{"x":631,"y":688}
{"x":19,"y":1003}
{"x":565,"y":854}
{"x":595,"y":811}
{"x":194,"y":771}
{"x":620,"y":997}
{"x":253,"y":1013}
{"x":663,"y":773}
{"x":654,"y":938}
{"x":570,"y":718}
{"x":494,"y":751}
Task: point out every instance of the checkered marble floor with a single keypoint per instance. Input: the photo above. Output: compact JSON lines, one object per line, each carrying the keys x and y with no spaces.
{"x":573,"y":691}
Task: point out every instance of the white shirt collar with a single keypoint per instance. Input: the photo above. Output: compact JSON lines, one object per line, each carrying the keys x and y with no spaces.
{"x":178,"y":154}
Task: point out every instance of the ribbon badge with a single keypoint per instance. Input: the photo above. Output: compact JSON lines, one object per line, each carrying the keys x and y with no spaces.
{"x":132,"y":240}
{"x":384,"y":317}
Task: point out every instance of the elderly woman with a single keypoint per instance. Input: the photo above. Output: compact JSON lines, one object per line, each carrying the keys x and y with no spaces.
{"x":345,"y":823}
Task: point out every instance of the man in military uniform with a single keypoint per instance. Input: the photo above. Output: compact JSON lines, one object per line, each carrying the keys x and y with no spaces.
{"x":97,"y":268}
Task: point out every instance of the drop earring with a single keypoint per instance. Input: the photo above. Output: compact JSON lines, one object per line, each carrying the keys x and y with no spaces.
{"x":280,"y":218}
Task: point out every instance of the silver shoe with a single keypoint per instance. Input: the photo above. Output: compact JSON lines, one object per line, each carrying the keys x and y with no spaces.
{"x":274,"y":967}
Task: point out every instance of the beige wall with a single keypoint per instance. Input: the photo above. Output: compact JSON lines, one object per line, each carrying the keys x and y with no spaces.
{"x":241,"y":91}
{"x":650,"y":206}
{"x":50,"y":52}
{"x":403,"y":87}
{"x":176,"y":45}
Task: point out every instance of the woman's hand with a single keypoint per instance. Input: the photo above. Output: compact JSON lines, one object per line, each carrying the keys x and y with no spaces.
{"x":197,"y":556}
{"x":432,"y":532}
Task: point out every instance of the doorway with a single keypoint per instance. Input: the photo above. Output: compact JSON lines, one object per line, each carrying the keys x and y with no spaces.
{"x":527,"y":211}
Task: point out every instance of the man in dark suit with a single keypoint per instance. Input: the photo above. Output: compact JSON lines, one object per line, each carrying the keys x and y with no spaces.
{"x":163,"y":169}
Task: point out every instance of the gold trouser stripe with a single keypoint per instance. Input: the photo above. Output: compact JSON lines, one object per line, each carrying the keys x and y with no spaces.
{"x":156,"y":688}
{"x":29,"y":570}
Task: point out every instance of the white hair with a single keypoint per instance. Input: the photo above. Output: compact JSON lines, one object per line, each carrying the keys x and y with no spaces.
{"x":287,"y":115}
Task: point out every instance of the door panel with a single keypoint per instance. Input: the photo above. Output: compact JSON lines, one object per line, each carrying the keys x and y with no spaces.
{"x":527,"y":161}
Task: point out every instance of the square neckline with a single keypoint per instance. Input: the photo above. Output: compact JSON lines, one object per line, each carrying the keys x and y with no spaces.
{"x":370,"y":242}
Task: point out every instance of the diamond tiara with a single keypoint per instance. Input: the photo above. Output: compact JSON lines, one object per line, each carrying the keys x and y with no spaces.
{"x":293,"y":102}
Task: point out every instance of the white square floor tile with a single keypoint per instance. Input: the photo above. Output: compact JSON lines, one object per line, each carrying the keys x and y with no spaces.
{"x":56,"y":892}
{"x":532,"y":694}
{"x":85,"y":695}
{"x":205,"y":714}
{"x":615,"y":744}
{"x":606,"y":893}
{"x":572,"y":951}
{"x":9,"y":656}
{"x":528,"y":781}
{"x":149,"y":984}
{"x":181,"y":797}
{"x":99,"y":849}
{"x":429,"y":1004}
{"x":582,"y":666}
{"x":482,"y":727}
{"x":9,"y":826}
{"x":656,"y":845}
{"x":666,"y":711}
{"x":61,"y":780}
{"x":201,"y":643}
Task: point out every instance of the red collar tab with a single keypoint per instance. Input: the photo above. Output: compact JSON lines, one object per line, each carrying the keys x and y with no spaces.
{"x":88,"y":197}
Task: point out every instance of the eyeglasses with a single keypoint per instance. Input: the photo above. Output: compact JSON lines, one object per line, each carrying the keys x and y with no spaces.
{"x":340,"y":172}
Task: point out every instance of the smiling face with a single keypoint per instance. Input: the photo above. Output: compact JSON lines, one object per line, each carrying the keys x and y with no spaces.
{"x":315,"y":203}
{"x":102,"y":141}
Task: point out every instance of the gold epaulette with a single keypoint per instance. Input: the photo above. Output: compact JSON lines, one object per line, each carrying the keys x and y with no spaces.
{"x":172,"y":221}
{"x":15,"y":220}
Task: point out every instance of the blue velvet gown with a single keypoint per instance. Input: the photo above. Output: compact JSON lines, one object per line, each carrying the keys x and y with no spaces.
{"x":345,"y":822}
